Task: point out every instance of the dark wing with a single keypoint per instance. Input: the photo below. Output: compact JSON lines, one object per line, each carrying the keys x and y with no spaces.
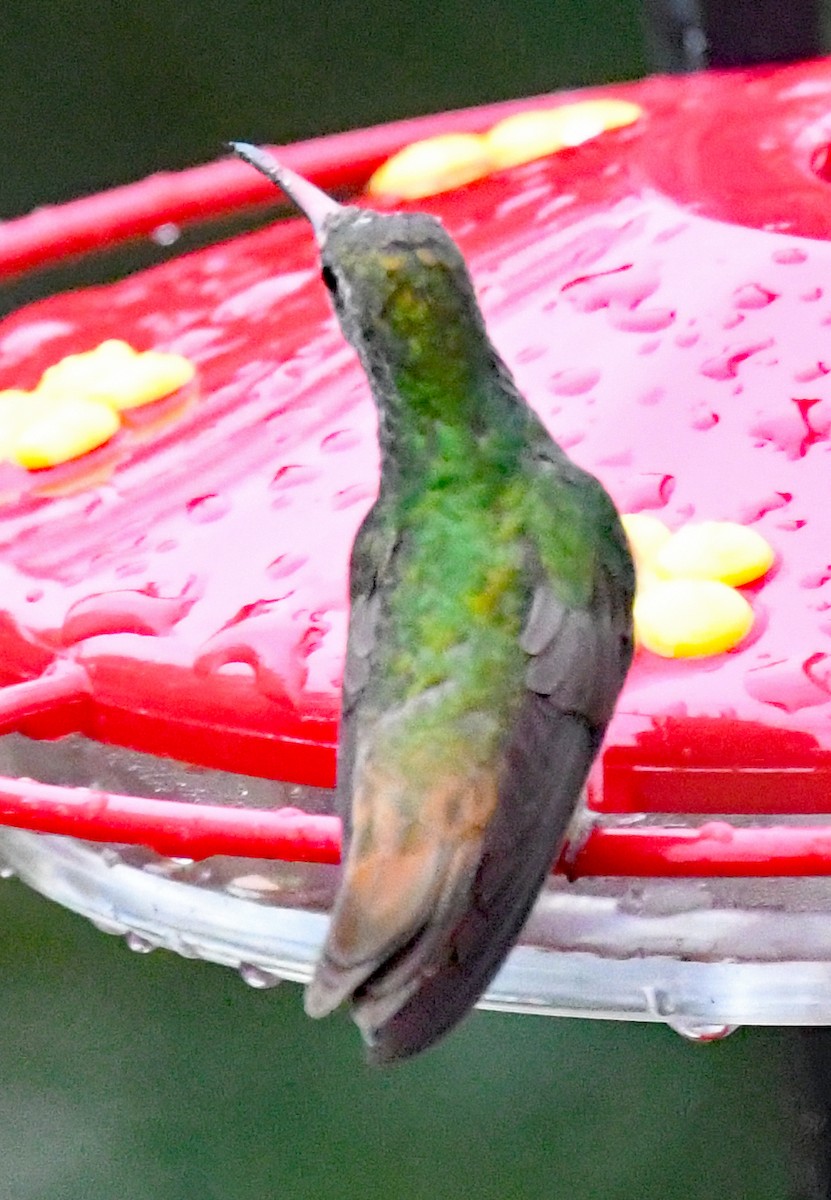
{"x":579,"y":628}
{"x":578,"y":658}
{"x":372,"y":556}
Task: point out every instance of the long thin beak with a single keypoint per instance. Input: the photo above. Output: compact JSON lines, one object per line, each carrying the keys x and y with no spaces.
{"x":311,"y":201}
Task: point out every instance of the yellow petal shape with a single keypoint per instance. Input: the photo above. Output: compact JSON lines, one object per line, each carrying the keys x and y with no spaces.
{"x":57,"y":429}
{"x":433,"y":165}
{"x":151,"y":376}
{"x":76,"y":405}
{"x":646,"y":535}
{"x":690,"y":618}
{"x":94,"y":371}
{"x":118,"y":375}
{"x":719,"y":550}
{"x":528,"y":135}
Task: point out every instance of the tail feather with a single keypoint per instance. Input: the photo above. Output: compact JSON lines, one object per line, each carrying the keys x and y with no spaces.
{"x":548,"y":761}
{"x":406,"y":883}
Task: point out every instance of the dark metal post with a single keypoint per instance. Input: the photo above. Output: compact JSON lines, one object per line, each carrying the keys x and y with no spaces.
{"x":674,"y":35}
{"x":686,"y":35}
{"x":740,"y":33}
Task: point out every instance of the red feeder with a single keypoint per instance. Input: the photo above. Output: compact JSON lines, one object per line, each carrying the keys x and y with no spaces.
{"x":173,"y":610}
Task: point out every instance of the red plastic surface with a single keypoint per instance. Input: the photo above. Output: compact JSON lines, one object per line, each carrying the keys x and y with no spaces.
{"x":660,"y":293}
{"x":177,"y":829}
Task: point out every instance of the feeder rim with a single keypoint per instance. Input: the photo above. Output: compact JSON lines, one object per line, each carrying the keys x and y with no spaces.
{"x":183,"y":829}
{"x":180,"y":829}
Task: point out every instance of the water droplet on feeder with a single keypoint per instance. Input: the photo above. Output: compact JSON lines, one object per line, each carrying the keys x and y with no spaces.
{"x":789,"y":257}
{"x":752,"y":295}
{"x":258,"y":977}
{"x":694,"y":1029}
{"x":574,"y":382}
{"x":139,"y":944}
{"x":698,"y":1031}
{"x":166,"y":235}
{"x":204,"y":509}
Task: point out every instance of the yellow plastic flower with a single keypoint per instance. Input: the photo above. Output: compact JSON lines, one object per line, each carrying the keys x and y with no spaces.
{"x":57,"y":430}
{"x":431,"y":166}
{"x":76,"y":405}
{"x":690,"y":618}
{"x":685,"y":605}
{"x":438,"y":164}
{"x":529,"y":135}
{"x":714,"y":550}
{"x":646,"y":535}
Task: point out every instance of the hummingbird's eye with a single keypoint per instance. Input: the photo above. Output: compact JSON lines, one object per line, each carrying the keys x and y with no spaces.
{"x":330,"y":280}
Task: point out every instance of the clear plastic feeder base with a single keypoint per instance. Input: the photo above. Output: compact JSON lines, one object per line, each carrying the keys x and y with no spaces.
{"x":701,"y":955}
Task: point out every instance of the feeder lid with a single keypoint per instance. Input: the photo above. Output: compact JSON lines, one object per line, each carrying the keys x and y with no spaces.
{"x":659,"y":293}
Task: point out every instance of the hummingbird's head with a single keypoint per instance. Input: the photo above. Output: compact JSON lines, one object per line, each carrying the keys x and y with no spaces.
{"x":398,"y":283}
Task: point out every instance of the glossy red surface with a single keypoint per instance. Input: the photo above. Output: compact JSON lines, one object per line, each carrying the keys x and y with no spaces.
{"x":177,"y":828}
{"x":662,"y":296}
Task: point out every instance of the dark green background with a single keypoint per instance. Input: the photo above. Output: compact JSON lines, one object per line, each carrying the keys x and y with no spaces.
{"x":153,"y":1078}
{"x":128,"y":1077}
{"x":97,"y":92}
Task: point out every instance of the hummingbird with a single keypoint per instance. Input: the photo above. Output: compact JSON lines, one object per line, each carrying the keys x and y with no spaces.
{"x":490,"y":632}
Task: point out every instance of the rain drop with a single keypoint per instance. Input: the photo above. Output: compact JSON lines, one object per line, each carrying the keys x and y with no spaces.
{"x":358,"y":493}
{"x":647,"y":490}
{"x":570,"y":438}
{"x":786,"y":431}
{"x":754,"y":510}
{"x":726,"y":365}
{"x":258,"y":977}
{"x":285,"y":565}
{"x":574,"y":382}
{"x":702,"y":417}
{"x":531,"y":353}
{"x":671,"y":232}
{"x":790,"y":256}
{"x":698,"y":1031}
{"x":716,"y":831}
{"x":818,"y":668}
{"x":809,"y":374}
{"x":694,"y":1029}
{"x":126,"y":570}
{"x":752,"y":295}
{"x":167,"y":234}
{"x":342,"y":439}
{"x":138,"y":944}
{"x":653,"y":396}
{"x":294,"y":475}
{"x":785,"y":685}
{"x":204,"y":509}
{"x":651,"y":320}
{"x":816,"y":579}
